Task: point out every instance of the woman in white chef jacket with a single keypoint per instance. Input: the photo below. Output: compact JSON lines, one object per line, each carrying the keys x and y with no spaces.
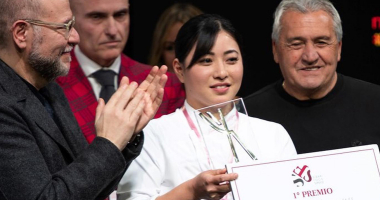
{"x":174,"y":162}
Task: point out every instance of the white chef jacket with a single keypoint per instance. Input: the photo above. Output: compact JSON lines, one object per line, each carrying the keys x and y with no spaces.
{"x":173,"y":153}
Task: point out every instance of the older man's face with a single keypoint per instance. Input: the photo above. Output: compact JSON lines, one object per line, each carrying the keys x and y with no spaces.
{"x":103,"y":26}
{"x":50,"y":50}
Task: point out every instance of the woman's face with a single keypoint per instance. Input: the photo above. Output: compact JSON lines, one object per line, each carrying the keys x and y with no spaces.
{"x":214,"y":78}
{"x":168,"y":54}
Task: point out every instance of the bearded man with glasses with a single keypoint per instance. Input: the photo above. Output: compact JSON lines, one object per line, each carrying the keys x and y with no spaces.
{"x":43,"y":153}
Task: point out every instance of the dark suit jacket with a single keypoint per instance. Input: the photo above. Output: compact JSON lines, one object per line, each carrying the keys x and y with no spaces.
{"x":83,"y":102}
{"x":45,"y":159}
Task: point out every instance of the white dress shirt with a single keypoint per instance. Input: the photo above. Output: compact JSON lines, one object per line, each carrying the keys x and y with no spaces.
{"x":88,"y":66}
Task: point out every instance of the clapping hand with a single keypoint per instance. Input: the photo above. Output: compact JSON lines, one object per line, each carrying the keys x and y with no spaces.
{"x":117,"y":120}
{"x":130,"y":108}
{"x":153,"y":85}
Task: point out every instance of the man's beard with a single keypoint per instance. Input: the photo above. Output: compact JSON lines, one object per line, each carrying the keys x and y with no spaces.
{"x":49,"y":68}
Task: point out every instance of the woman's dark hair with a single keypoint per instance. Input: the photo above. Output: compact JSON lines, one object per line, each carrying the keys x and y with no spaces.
{"x":202,"y":30}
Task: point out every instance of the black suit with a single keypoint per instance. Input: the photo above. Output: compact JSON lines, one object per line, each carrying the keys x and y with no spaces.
{"x":42,"y":158}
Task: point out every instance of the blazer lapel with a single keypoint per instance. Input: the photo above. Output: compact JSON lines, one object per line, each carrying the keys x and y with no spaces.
{"x":43,"y":120}
{"x":66,"y":120}
{"x":15,"y":86}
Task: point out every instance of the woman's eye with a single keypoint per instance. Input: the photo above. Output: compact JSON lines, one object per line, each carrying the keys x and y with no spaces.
{"x":232,"y":60}
{"x":169,"y":48}
{"x":205,"y":60}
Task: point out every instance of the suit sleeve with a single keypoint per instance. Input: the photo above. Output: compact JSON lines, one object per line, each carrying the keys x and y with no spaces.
{"x":27,"y":174}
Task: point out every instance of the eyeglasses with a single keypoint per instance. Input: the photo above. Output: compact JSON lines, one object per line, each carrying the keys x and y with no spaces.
{"x":68,"y":26}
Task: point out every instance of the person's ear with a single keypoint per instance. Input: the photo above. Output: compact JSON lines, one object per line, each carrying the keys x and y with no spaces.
{"x":339,"y":50}
{"x":178,"y":70}
{"x":274,"y":50}
{"x":20,"y":31}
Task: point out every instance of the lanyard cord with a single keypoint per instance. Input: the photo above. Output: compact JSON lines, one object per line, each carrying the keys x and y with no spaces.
{"x":199,"y":136}
{"x":194,"y":128}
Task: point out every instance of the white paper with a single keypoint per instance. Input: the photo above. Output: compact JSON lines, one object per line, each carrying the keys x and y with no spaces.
{"x":342,"y":174}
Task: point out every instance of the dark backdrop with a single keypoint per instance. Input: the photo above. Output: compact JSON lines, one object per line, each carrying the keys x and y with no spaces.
{"x":360,"y":56}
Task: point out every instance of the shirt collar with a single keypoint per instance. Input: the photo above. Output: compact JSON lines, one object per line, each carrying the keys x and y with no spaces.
{"x":89,"y":66}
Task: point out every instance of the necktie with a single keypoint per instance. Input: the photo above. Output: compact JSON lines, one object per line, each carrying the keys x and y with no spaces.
{"x":106,"y":79}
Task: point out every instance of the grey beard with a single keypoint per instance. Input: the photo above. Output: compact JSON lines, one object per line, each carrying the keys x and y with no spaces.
{"x":48,"y":68}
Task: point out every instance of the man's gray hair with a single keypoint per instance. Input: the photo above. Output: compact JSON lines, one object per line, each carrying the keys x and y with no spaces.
{"x":305,"y":6}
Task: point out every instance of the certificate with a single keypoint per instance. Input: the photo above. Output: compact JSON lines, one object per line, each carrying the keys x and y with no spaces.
{"x":341,"y":174}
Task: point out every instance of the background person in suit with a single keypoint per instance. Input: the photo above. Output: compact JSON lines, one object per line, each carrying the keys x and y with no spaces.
{"x":320,"y":108}
{"x":166,"y":30}
{"x":104,"y":28}
{"x":42,"y":150}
